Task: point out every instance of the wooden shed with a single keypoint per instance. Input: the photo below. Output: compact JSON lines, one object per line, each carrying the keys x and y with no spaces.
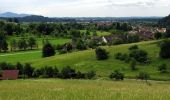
{"x":9,"y":74}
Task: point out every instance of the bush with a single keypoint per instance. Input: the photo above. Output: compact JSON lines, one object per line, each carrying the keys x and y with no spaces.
{"x":0,"y":72}
{"x":158,"y":35}
{"x":165,"y":48}
{"x":143,"y":76}
{"x":20,"y":67}
{"x":46,"y":72}
{"x":133,"y":38}
{"x":167,"y":34}
{"x":28,"y":70}
{"x":122,"y":57}
{"x":80,"y":75}
{"x":162,"y":68}
{"x":37,"y":73}
{"x":101,"y":54}
{"x":7,"y":66}
{"x":140,"y":56}
{"x":134,"y":47}
{"x":117,"y":75}
{"x":48,"y":50}
{"x":68,"y":73}
{"x":90,"y":75}
{"x":81,"y":45}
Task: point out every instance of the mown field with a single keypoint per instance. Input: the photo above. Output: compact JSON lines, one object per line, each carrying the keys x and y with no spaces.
{"x":39,"y":41}
{"x":55,"y":89}
{"x":86,"y":61}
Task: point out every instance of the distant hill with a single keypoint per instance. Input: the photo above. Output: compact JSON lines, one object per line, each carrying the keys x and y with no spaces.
{"x":38,"y":18}
{"x":165,"y":21}
{"x":11,"y":15}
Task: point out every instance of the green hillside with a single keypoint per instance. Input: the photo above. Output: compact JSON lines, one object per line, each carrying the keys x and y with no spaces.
{"x":86,"y":60}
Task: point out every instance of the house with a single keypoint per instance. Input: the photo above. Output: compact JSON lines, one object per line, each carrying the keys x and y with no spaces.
{"x":161,"y":30}
{"x":9,"y":74}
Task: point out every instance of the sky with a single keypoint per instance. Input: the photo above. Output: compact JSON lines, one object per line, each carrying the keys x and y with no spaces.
{"x":87,"y":8}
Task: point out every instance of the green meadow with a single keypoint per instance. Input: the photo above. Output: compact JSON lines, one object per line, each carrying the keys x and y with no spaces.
{"x":55,"y":89}
{"x":86,"y":60}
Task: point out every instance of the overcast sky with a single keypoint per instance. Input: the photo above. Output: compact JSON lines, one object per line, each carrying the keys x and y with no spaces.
{"x":87,"y":8}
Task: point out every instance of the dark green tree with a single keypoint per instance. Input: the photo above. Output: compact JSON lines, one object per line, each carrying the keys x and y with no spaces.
{"x":32,"y":42}
{"x":162,"y":68}
{"x":158,"y":35}
{"x":13,"y":45}
{"x":117,"y":75}
{"x":22,"y":44}
{"x":48,"y":50}
{"x":28,"y":70}
{"x":165,"y":49}
{"x":3,"y":42}
{"x":101,"y":54}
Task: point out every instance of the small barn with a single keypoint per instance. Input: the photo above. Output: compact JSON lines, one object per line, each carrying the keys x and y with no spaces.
{"x":9,"y":74}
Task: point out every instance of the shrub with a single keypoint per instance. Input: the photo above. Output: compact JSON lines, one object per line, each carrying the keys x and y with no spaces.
{"x":133,"y":38}
{"x":80,"y":75}
{"x":0,"y":72}
{"x":118,"y":55}
{"x":167,"y":34}
{"x":117,"y":75}
{"x":143,"y":76}
{"x":90,"y":75}
{"x":165,"y":48}
{"x":158,"y":35}
{"x":37,"y":73}
{"x":68,"y":73}
{"x":7,"y":66}
{"x":101,"y":54}
{"x":48,"y":72}
{"x":139,"y":55}
{"x":121,"y":56}
{"x":19,"y":66}
{"x":134,"y":47}
{"x":28,"y":70}
{"x":48,"y":50}
{"x":162,"y":68}
{"x":81,"y":45}
{"x":55,"y":72}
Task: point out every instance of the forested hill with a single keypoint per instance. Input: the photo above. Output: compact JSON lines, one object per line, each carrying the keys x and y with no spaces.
{"x":165,"y":21}
{"x":37,"y":18}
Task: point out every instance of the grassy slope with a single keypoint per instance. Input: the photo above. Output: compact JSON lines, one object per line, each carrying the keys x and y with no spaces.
{"x":43,"y":89}
{"x":85,"y":61}
{"x":52,"y":40}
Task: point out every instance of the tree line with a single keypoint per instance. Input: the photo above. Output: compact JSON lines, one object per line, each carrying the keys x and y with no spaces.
{"x":21,"y":44}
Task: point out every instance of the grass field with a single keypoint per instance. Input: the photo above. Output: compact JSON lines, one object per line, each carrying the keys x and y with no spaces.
{"x":52,"y":40}
{"x":86,"y":60}
{"x":99,"y":33}
{"x":54,"y":89}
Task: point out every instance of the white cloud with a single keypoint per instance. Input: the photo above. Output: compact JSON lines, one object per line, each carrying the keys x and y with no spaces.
{"x":88,"y":7}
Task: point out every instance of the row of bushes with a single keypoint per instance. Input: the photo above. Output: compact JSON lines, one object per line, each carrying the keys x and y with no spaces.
{"x":135,"y":53}
{"x":27,"y":71}
{"x":117,"y":75}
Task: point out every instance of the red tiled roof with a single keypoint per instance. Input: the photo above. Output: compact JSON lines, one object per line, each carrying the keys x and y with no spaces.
{"x":9,"y":74}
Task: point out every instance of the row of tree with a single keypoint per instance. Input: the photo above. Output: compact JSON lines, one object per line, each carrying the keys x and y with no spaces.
{"x":21,"y":44}
{"x":27,"y":71}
